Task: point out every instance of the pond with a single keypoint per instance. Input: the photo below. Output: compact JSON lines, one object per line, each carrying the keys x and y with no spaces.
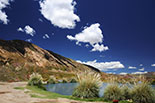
{"x":68,"y":88}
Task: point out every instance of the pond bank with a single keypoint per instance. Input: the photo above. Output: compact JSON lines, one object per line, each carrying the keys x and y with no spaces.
{"x":8,"y":94}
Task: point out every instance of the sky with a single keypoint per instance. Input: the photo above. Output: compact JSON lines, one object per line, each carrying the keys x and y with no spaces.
{"x":115,"y":36}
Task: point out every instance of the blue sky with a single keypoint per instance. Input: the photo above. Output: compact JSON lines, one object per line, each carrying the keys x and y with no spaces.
{"x":115,"y":36}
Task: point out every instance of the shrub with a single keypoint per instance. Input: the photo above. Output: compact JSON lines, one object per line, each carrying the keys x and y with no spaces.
{"x":51,"y":80}
{"x":89,"y":84}
{"x":35,"y":80}
{"x":126,"y":92}
{"x":143,"y":93}
{"x":113,"y":92}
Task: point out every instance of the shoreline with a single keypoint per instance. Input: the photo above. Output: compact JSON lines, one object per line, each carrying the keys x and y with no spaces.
{"x":8,"y":94}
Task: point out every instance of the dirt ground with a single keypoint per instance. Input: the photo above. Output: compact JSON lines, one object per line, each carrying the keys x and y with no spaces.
{"x":10,"y":95}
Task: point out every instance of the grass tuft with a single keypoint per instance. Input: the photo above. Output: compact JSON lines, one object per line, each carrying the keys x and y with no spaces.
{"x":35,"y":80}
{"x":143,"y":93}
{"x":113,"y":92}
{"x":89,"y":84}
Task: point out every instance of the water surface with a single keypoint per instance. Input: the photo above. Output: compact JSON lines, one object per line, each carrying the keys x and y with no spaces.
{"x":68,"y":88}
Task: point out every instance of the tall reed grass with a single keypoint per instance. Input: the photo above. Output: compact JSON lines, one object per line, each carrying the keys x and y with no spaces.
{"x":35,"y":79}
{"x":89,"y":84}
{"x":113,"y":92}
{"x":143,"y":93}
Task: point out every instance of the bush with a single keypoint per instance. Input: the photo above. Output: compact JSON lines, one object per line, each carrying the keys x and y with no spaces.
{"x":51,"y":80}
{"x":89,"y":84}
{"x":113,"y":92}
{"x":126,"y":92}
{"x":35,"y":80}
{"x":143,"y":93}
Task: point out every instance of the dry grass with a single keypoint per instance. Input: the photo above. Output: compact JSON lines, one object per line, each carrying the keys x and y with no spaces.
{"x":89,"y":84}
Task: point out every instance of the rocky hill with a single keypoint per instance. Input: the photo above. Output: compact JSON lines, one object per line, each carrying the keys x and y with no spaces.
{"x":18,"y":59}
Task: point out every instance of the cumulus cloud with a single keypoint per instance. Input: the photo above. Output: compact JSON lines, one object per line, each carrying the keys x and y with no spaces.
{"x":46,"y":36}
{"x":123,"y":73}
{"x":153,"y":65}
{"x":100,"y":48}
{"x":60,"y":12}
{"x":27,"y":29}
{"x":142,"y":69}
{"x":139,"y":72}
{"x":104,"y":66}
{"x":3,"y":16}
{"x":92,"y":35}
{"x":131,"y":67}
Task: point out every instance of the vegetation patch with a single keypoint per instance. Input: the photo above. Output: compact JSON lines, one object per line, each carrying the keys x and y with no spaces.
{"x":20,"y":88}
{"x":143,"y":93}
{"x":89,"y":85}
{"x":35,"y":80}
{"x":113,"y":92}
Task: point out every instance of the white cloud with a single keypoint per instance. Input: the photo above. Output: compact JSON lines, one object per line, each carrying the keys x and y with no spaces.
{"x":141,"y":65}
{"x":123,"y":73}
{"x":100,"y":48}
{"x":3,"y":16}
{"x":78,"y":44}
{"x":46,"y":36}
{"x":111,"y":73}
{"x":142,"y":69}
{"x":60,"y":12}
{"x":27,"y":29}
{"x":139,"y":72}
{"x":104,"y":66}
{"x":20,"y":29}
{"x":92,"y":35}
{"x":87,"y":45}
{"x":28,"y":40}
{"x":131,"y":67}
{"x":153,"y":65}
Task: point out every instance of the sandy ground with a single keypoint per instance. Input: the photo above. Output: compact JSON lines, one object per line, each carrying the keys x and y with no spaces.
{"x":10,"y":95}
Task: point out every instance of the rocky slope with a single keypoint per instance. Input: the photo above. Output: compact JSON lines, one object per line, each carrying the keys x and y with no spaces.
{"x":19,"y":58}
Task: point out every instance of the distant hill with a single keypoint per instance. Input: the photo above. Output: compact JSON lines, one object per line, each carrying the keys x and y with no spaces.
{"x":18,"y":59}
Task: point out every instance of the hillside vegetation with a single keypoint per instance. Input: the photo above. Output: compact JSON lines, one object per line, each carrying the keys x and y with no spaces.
{"x":19,"y":59}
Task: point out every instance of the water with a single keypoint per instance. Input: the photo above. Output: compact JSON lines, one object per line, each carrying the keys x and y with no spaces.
{"x":68,"y":88}
{"x":62,"y":88}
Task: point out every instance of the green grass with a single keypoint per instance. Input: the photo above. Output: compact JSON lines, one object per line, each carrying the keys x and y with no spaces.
{"x":20,"y":88}
{"x":51,"y":95}
{"x":46,"y":94}
{"x":35,"y":96}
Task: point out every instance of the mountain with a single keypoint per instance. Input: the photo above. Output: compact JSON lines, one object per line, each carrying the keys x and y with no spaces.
{"x":18,"y":59}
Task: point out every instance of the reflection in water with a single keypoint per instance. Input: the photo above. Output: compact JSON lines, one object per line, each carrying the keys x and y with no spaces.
{"x":62,"y":88}
{"x":68,"y":88}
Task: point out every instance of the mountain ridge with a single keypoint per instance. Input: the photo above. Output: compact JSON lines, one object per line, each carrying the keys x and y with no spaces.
{"x":19,"y":54}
